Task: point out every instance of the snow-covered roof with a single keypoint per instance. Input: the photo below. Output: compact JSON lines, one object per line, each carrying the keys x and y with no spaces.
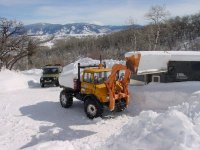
{"x":156,"y":61}
{"x":185,"y":55}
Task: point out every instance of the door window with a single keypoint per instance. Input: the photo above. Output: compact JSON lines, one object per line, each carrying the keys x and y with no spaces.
{"x":87,"y":77}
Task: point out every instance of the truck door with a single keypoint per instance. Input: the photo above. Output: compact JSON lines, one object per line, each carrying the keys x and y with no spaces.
{"x":88,"y":86}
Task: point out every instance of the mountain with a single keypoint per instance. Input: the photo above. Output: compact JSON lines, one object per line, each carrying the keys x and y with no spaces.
{"x":73,"y":28}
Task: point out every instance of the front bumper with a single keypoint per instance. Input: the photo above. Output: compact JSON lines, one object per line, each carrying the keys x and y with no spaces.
{"x":49,"y":80}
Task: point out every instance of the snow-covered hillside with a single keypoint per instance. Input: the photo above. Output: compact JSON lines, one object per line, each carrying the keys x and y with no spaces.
{"x":160,"y":116}
{"x":72,"y":29}
{"x":45,"y":31}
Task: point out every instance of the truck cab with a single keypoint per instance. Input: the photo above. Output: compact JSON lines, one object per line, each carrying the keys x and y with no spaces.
{"x":93,"y":82}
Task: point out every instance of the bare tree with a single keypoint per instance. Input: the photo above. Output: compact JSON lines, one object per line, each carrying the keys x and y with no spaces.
{"x":14,"y":43}
{"x":131,"y":22}
{"x":157,"y":14}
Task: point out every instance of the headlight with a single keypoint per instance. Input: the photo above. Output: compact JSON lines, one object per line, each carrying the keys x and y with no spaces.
{"x":107,"y":98}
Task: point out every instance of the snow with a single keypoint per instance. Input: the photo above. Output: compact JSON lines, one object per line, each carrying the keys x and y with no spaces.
{"x":11,"y":81}
{"x":185,"y":55}
{"x":167,"y":117}
{"x":49,"y":44}
{"x":50,"y":41}
{"x":156,"y":61}
{"x":170,"y":130}
{"x":160,"y":116}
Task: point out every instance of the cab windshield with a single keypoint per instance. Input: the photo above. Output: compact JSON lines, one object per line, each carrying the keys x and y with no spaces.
{"x":50,"y":71}
{"x":101,"y":77}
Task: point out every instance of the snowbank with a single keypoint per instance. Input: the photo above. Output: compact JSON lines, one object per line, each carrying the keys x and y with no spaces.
{"x":169,"y":130}
{"x":70,"y":71}
{"x":13,"y":80}
{"x":33,"y":72}
{"x":169,"y":118}
{"x":160,"y":96}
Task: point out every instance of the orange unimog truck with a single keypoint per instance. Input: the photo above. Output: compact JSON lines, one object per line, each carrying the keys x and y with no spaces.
{"x":99,"y":86}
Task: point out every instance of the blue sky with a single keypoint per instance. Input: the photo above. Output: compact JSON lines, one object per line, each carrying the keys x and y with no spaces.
{"x":103,"y":12}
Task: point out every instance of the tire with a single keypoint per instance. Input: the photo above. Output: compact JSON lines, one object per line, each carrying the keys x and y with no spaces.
{"x":93,"y":108}
{"x":120,"y":106}
{"x":66,"y":99}
{"x":57,"y":84}
{"x":42,"y":85}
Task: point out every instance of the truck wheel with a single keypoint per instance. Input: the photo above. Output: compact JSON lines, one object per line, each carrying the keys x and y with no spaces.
{"x":42,"y":84}
{"x":57,"y":83}
{"x":120,"y":105}
{"x":66,"y":99}
{"x":93,"y":108}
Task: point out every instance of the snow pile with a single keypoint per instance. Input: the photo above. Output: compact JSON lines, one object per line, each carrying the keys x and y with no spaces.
{"x":12,"y":80}
{"x":160,"y":96}
{"x":169,"y":130}
{"x":33,"y":72}
{"x":70,"y":71}
{"x":161,"y":126}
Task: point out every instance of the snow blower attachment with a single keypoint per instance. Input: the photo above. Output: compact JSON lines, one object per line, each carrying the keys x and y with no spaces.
{"x":99,"y":86}
{"x":117,"y":83}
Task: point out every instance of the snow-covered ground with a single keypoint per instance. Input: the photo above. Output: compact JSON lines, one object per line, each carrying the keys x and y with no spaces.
{"x":160,"y":116}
